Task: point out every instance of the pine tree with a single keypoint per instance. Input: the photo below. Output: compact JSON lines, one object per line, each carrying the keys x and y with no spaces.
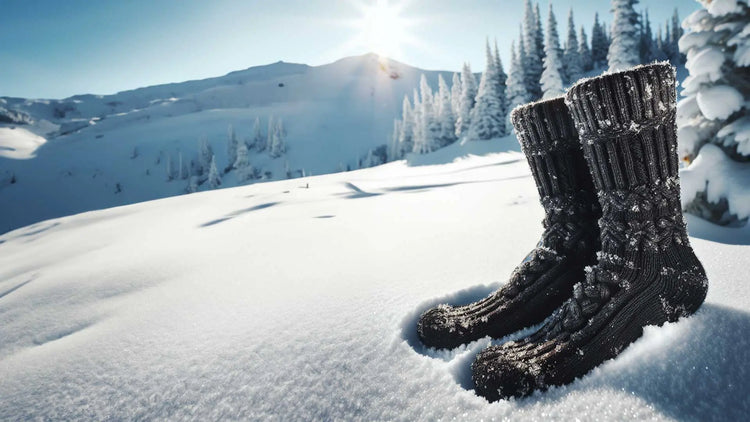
{"x":205,"y":154}
{"x":269,"y":134}
{"x":647,"y":45}
{"x":170,"y":168}
{"x":183,"y":170}
{"x":468,"y":95}
{"x":487,"y":117}
{"x":502,"y":83}
{"x":257,"y":141}
{"x":599,"y":44}
{"x":231,"y":148}
{"x":532,"y":59}
{"x":714,"y":119}
{"x":278,"y":146}
{"x":394,"y":149}
{"x":516,"y":92}
{"x":456,"y":89}
{"x":678,"y":57}
{"x":242,"y":163}
{"x":214,"y":180}
{"x":445,"y":117}
{"x":572,"y":62}
{"x":406,"y":133}
{"x":584,"y":52}
{"x":551,"y":80}
{"x":429,"y":130}
{"x":419,"y":129}
{"x":539,"y":32}
{"x":623,"y":51}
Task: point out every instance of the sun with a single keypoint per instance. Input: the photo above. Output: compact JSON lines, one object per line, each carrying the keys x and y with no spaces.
{"x":383,"y":29}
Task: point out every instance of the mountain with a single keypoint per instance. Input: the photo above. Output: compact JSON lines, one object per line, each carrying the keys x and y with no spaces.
{"x":298,"y":300}
{"x":59,"y":157}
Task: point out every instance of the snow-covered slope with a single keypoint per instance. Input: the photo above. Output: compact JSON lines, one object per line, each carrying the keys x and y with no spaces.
{"x":333,"y":114}
{"x":297,"y":299}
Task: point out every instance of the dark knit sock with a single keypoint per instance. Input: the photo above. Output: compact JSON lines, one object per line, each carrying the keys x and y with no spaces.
{"x":646,"y":273}
{"x":546,"y":277}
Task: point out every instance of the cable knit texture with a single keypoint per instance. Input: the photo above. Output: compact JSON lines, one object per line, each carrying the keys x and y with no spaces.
{"x":646,"y":272}
{"x":546,"y":277}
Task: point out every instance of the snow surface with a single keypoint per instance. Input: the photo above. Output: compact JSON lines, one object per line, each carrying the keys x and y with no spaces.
{"x":334,"y":114}
{"x":297,"y":299}
{"x":720,"y":177}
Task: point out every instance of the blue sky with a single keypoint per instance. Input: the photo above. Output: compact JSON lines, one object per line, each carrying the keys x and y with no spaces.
{"x":57,"y":48}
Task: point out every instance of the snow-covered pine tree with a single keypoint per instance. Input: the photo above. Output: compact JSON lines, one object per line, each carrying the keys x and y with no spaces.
{"x":502,"y":83}
{"x":278,"y":144}
{"x":516,"y":91}
{"x":429,"y":129}
{"x":214,"y":180}
{"x":456,"y":96}
{"x":419,"y":129}
{"x":205,"y":154}
{"x":257,"y":141}
{"x":571,"y":60}
{"x":192,"y":185}
{"x":532,"y":59}
{"x":714,"y":119}
{"x":394,"y":148}
{"x":183,"y":169}
{"x":445,"y":117}
{"x":269,"y":134}
{"x":623,"y":51}
{"x":584,"y":52}
{"x":599,"y":44}
{"x":406,"y":133}
{"x":487,"y":117}
{"x":242,"y":163}
{"x":231,"y":148}
{"x":468,"y":95}
{"x":551,"y":80}
{"x":170,"y":168}
{"x":539,"y":32}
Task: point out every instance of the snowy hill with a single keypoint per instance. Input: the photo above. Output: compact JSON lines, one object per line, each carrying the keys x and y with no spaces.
{"x":59,"y":157}
{"x":297,"y":299}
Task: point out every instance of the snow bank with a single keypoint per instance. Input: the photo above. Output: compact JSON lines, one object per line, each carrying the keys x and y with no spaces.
{"x":720,"y":177}
{"x":295,"y":300}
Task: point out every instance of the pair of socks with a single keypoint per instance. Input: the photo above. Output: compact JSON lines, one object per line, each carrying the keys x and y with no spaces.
{"x":614,"y":255}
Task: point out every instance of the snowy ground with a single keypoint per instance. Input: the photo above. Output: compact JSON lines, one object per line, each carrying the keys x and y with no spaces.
{"x":297,"y":300}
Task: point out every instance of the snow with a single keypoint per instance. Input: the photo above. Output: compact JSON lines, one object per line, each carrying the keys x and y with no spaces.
{"x":722,"y":7}
{"x":720,"y":177}
{"x":719,"y":101}
{"x":333,"y":114}
{"x":19,"y":143}
{"x":707,"y":62}
{"x":297,"y":299}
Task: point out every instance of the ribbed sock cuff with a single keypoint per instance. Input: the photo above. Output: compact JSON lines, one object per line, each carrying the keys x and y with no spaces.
{"x":626,"y":122}
{"x":550,"y":142}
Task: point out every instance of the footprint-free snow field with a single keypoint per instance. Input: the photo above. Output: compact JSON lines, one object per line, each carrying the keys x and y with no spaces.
{"x":296,"y":300}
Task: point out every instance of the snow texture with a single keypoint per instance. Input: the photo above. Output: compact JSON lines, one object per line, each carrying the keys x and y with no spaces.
{"x":719,"y":101}
{"x":297,"y":300}
{"x":720,"y":177}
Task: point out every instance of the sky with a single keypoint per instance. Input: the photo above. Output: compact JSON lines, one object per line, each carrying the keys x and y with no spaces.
{"x":55,"y":49}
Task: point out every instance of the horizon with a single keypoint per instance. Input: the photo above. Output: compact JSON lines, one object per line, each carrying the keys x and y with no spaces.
{"x":113,"y":47}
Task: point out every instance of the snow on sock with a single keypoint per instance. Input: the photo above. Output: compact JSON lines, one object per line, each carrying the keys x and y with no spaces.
{"x":546,"y":277}
{"x":646,"y":273}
